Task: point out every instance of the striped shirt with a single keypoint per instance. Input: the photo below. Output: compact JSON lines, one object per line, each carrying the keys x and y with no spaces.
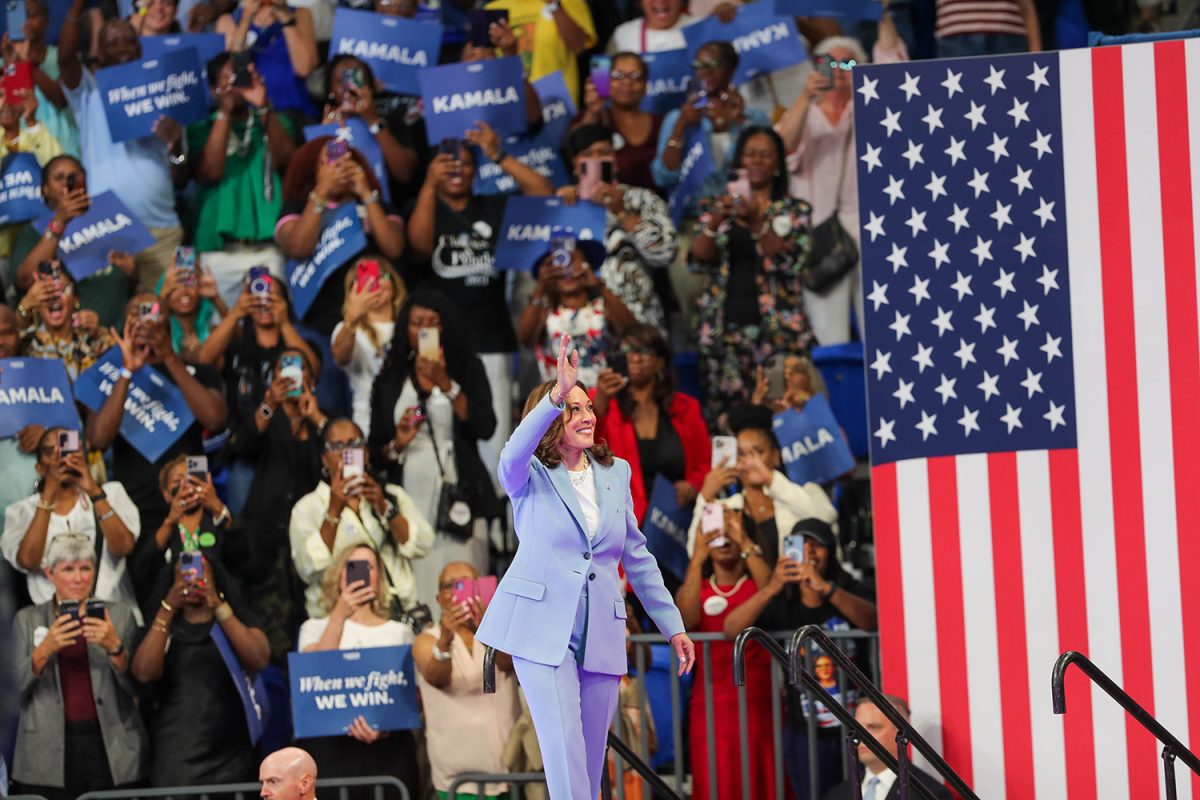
{"x":956,"y":17}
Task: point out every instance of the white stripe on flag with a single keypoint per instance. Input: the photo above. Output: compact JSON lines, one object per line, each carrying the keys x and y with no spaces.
{"x":1041,"y":621}
{"x":920,"y":615}
{"x":1091,"y":407}
{"x":1154,"y":397}
{"x":979,"y":624}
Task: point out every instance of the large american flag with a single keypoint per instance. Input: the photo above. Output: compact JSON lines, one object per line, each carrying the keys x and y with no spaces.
{"x":1029,"y":265}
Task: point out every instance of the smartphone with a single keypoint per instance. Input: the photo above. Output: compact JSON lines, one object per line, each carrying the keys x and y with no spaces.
{"x":17,"y":81}
{"x":481,"y":23}
{"x":46,"y":270}
{"x":260,"y":283}
{"x":15,"y":17}
{"x":607,"y":171}
{"x":148,"y":311}
{"x":335,"y":149}
{"x":366,"y":276}
{"x":197,"y":467}
{"x":712,"y":520}
{"x":618,"y":362}
{"x":774,"y":371}
{"x":593,"y":172}
{"x":354,"y":78}
{"x":793,"y":547}
{"x":601,"y":75}
{"x":358,"y":570}
{"x":291,"y":368}
{"x":94,"y":608}
{"x":561,"y":250}
{"x":68,"y":442}
{"x":241,"y":69}
{"x":353,"y":468}
{"x":699,"y":99}
{"x":724,"y":451}
{"x":451,"y":147}
{"x":69,"y":607}
{"x":739,"y":185}
{"x":824,"y":65}
{"x":429,"y":343}
{"x":415,"y":414}
{"x":72,"y":181}
{"x":185,"y":263}
{"x":484,"y":588}
{"x":191,"y":565}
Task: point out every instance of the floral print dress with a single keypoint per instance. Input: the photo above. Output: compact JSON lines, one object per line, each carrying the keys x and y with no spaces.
{"x":728,"y":352}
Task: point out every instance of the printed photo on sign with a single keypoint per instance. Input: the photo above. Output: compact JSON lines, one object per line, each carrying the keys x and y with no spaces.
{"x":107,"y":226}
{"x":20,"y":189}
{"x":764,"y":42}
{"x":342,"y":238}
{"x":332,"y":688}
{"x":530,"y":222}
{"x":457,"y":96}
{"x":136,"y":94}
{"x":395,"y":48}
{"x":35,"y":391}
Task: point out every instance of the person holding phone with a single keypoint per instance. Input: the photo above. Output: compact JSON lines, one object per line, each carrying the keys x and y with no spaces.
{"x":552,"y":35}
{"x":351,"y":90}
{"x":621,"y":112}
{"x":155,"y":17}
{"x":283,"y":47}
{"x":639,"y":235}
{"x":718,"y":580}
{"x":345,"y":510}
{"x":21,"y":131}
{"x":648,"y":422}
{"x":67,"y":499}
{"x":750,"y":251}
{"x":190,"y":299}
{"x":42,"y":57}
{"x":59,"y":325}
{"x":559,"y":610}
{"x":80,"y":729}
{"x":357,"y":613}
{"x":430,"y":409}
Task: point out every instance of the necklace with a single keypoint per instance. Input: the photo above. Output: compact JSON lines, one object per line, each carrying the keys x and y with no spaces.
{"x":581,"y":473}
{"x":712,"y":581}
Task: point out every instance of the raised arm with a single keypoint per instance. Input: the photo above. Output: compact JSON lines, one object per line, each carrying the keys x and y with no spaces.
{"x":517,"y":456}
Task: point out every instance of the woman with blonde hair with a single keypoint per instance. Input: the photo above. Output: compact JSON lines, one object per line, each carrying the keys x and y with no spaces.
{"x":358,"y":617}
{"x":374,"y":297}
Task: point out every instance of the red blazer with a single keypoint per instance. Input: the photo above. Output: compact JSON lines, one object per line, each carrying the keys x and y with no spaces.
{"x":621,"y":437}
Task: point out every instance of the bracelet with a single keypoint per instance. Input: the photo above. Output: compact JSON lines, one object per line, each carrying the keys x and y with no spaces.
{"x":107,"y":515}
{"x":166,"y":606}
{"x":223,"y":612}
{"x":672,"y":142}
{"x":223,"y":517}
{"x":332,"y":520}
{"x":55,"y":227}
{"x":372,"y":198}
{"x":116,"y":653}
{"x":539,"y":302}
{"x":500,"y":156}
{"x":455,"y":391}
{"x":49,"y":234}
{"x":221,"y":115}
{"x":766,"y":227}
{"x":22,"y":310}
{"x":126,"y":373}
{"x":44,"y":505}
{"x":98,"y":496}
{"x":440,"y":654}
{"x":707,"y":231}
{"x":265,"y":411}
{"x":322,"y":425}
{"x":318,"y":204}
{"x":375,"y":128}
{"x":177,"y":160}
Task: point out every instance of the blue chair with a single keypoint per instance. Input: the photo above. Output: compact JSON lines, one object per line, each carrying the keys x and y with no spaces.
{"x":844,"y":369}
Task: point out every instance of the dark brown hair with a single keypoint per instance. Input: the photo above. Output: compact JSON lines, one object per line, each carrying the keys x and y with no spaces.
{"x":642,"y":335}
{"x":301,"y":175}
{"x":547,"y":449}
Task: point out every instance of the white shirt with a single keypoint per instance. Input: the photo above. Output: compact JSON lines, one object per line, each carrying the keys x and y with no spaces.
{"x":112,"y":583}
{"x":585,"y":490}
{"x":355,"y":635}
{"x":886,"y":779}
{"x":365,"y":363}
{"x":628,"y":37}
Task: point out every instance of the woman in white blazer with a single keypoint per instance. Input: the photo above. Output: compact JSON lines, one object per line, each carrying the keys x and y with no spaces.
{"x":559,"y":611}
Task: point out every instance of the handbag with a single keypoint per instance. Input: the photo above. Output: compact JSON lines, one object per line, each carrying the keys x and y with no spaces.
{"x":454,"y":513}
{"x":832,"y":252}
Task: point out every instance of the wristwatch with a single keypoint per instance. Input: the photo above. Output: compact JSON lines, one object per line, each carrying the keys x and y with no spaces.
{"x":375,"y":127}
{"x":454,"y":392}
{"x":265,"y":411}
{"x":97,"y":497}
{"x":115,"y":653}
{"x":439,"y":654}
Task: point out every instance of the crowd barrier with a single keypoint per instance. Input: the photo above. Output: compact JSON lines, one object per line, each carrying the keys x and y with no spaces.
{"x":386,"y":788}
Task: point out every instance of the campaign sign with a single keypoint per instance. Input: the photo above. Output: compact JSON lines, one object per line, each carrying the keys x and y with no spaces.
{"x":136,"y":94}
{"x":530,"y":222}
{"x":20,"y":189}
{"x":558,"y":108}
{"x":14,"y":17}
{"x":871,"y":10}
{"x":156,"y":413}
{"x":357,"y":135}
{"x":107,"y":225}
{"x":670,"y":73}
{"x":207,"y":45}
{"x":539,"y":152}
{"x":396,"y":48}
{"x":697,"y":165}
{"x":456,"y":96}
{"x":764,"y":42}
{"x":666,"y":527}
{"x":331,"y":688}
{"x":342,"y":238}
{"x":35,"y":390}
{"x":814,"y":449}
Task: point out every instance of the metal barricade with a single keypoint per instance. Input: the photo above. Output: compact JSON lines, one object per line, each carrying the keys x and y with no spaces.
{"x":386,"y":788}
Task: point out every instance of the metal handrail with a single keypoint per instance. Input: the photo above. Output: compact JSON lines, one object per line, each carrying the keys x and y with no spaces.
{"x":905,"y":727}
{"x":657,"y":784}
{"x":1172,"y":747}
{"x":378,"y":781}
{"x":813,"y":685}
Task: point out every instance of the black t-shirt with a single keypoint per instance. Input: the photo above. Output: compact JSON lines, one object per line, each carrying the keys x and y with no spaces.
{"x":741,"y":290}
{"x":248,"y":368}
{"x":662,"y":455}
{"x":464,"y":270}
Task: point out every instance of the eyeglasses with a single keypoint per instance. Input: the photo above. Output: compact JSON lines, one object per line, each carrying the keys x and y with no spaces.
{"x":337,"y":447}
{"x":622,"y":75}
{"x":635,"y":350}
{"x":707,"y":63}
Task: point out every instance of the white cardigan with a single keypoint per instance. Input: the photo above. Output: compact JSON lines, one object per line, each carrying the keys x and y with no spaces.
{"x":792,"y":504}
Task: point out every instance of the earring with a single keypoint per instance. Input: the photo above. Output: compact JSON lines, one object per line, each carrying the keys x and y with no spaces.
{"x":776,"y":173}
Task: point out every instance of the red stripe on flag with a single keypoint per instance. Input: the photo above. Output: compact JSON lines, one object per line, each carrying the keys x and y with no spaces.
{"x":889,"y":581}
{"x":1005,"y":506}
{"x":948,"y":602}
{"x":1183,"y":335}
{"x":1124,"y":432}
{"x":1065,"y":514}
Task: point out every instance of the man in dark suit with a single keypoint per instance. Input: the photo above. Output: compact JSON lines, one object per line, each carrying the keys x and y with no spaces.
{"x":877,"y":781}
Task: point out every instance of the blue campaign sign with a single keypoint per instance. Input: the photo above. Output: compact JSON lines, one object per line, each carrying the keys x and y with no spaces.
{"x":539,"y":152}
{"x":813,"y":446}
{"x":530,"y":222}
{"x":14,"y":18}
{"x":667,"y":84}
{"x":871,"y":10}
{"x":20,"y":189}
{"x":697,"y":165}
{"x":356,"y":134}
{"x":107,"y":225}
{"x":342,"y":238}
{"x":35,"y":390}
{"x":331,"y":688}
{"x":456,"y":96}
{"x":666,"y":527}
{"x":136,"y":94}
{"x":764,"y":42}
{"x":396,"y":48}
{"x":558,"y":108}
{"x":156,"y":413}
{"x":207,"y":45}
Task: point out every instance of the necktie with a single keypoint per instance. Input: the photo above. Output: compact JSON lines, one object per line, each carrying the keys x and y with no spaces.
{"x":872,"y":785}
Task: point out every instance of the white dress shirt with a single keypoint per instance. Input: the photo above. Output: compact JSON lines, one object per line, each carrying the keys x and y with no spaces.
{"x":886,"y":779}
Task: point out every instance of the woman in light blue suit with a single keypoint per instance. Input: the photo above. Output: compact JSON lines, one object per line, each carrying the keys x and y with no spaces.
{"x":559,"y":611}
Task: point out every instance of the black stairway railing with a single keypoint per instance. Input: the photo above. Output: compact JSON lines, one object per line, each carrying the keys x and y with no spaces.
{"x":1172,"y":747}
{"x":798,"y":676}
{"x":658,"y":786}
{"x":905,"y":732}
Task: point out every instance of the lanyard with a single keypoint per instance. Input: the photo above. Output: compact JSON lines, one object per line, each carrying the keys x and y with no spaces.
{"x":191,"y":542}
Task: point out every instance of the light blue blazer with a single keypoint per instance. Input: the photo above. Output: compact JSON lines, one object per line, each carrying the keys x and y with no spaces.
{"x":533,"y":612}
